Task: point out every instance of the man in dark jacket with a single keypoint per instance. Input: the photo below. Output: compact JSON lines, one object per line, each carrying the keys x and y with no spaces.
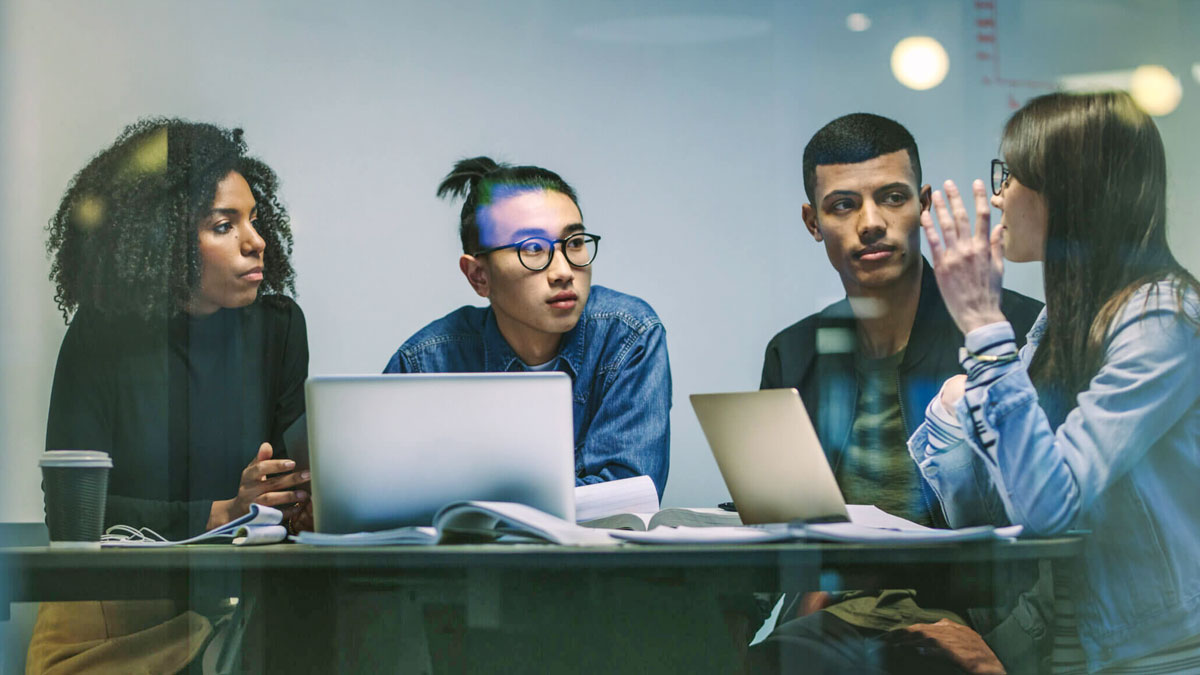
{"x":866,"y":367}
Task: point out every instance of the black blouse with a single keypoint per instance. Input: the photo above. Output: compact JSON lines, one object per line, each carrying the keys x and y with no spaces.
{"x":181,"y":404}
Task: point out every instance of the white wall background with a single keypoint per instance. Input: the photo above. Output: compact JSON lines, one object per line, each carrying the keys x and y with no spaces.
{"x":680,"y":123}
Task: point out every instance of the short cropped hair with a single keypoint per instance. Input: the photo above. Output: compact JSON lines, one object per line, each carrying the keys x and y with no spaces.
{"x":855,"y":138}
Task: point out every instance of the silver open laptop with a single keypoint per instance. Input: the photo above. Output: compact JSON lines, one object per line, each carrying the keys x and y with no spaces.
{"x":769,"y":456}
{"x":390,"y":450}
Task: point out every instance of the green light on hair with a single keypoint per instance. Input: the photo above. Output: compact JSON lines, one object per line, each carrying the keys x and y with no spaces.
{"x":88,"y":213}
{"x":150,"y":155}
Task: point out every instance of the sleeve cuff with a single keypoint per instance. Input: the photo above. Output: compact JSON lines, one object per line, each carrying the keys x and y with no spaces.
{"x":987,"y":339}
{"x":939,"y":415}
{"x":943,"y":429}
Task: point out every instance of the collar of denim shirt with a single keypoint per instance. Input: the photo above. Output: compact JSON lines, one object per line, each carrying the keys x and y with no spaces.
{"x":499,"y":357}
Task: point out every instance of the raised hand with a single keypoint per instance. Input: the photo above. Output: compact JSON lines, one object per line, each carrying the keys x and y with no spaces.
{"x":969,"y":266}
{"x":260,"y":485}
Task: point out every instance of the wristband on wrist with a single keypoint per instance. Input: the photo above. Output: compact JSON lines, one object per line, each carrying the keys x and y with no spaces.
{"x":964,"y":354}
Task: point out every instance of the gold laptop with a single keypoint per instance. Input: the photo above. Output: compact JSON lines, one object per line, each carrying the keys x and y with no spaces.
{"x":769,"y":456}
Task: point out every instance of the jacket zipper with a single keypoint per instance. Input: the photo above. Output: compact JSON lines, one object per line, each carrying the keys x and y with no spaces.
{"x":850,"y":429}
{"x":908,"y":434}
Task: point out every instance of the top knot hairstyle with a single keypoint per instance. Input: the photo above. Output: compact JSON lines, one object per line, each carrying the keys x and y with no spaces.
{"x":481,"y":181}
{"x":124,"y":238}
{"x":855,"y":138}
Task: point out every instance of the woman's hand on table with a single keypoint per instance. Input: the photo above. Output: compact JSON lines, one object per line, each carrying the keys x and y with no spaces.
{"x":260,"y":485}
{"x":969,"y":267}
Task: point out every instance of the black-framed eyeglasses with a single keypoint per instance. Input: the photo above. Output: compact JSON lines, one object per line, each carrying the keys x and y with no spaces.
{"x":999,"y":175}
{"x":536,"y":253}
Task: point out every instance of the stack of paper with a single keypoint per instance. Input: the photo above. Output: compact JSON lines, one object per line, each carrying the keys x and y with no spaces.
{"x":399,"y":535}
{"x":868,"y":524}
{"x":507,"y":521}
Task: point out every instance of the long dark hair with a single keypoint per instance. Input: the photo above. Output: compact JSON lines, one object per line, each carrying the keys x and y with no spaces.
{"x":124,"y":239}
{"x":1098,"y":161}
{"x":482,"y":181}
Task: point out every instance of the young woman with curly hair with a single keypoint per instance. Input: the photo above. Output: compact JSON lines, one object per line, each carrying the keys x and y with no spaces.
{"x":184,"y":360}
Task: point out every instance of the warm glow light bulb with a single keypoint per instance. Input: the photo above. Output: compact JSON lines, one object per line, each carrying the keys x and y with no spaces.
{"x":1155,"y":89}
{"x":920,"y":62}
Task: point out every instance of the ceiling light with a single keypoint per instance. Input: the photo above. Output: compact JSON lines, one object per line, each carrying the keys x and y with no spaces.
{"x":858,"y":22}
{"x":920,"y":62}
{"x":1155,"y":89}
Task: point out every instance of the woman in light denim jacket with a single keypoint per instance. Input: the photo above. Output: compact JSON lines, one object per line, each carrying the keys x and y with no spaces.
{"x":1095,"y":424}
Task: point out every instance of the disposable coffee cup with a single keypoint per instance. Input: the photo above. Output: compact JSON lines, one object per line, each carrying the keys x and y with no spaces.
{"x":75,"y":485}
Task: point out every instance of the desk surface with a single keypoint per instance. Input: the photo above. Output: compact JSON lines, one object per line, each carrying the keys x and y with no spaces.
{"x":524,"y":556}
{"x":41,"y":573}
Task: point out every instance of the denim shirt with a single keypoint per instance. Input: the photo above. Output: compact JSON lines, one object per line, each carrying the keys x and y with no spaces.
{"x":621,"y":380}
{"x":1124,"y":465}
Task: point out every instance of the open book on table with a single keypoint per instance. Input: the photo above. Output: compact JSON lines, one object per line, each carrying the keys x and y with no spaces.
{"x":628,"y":503}
{"x":474,"y":521}
{"x":672,"y":517}
{"x":260,"y":525}
{"x":632,"y":504}
{"x":868,"y":524}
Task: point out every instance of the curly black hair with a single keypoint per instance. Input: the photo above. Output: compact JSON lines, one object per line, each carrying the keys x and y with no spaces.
{"x":124,"y":238}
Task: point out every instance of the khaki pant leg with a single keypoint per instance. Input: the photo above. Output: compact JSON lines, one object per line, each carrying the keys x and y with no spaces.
{"x":130,"y":636}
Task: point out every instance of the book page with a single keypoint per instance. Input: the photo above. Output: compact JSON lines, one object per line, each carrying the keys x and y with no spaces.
{"x":627,"y":495}
{"x":709,"y":535}
{"x":873,"y":516}
{"x":621,"y":521}
{"x":411,"y":535}
{"x":672,"y":517}
{"x":694,"y":517}
{"x":477,"y":516}
{"x":852,"y":532}
{"x":832,"y":532}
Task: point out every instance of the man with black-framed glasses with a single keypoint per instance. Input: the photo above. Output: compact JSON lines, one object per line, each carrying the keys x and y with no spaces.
{"x":526,"y":250}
